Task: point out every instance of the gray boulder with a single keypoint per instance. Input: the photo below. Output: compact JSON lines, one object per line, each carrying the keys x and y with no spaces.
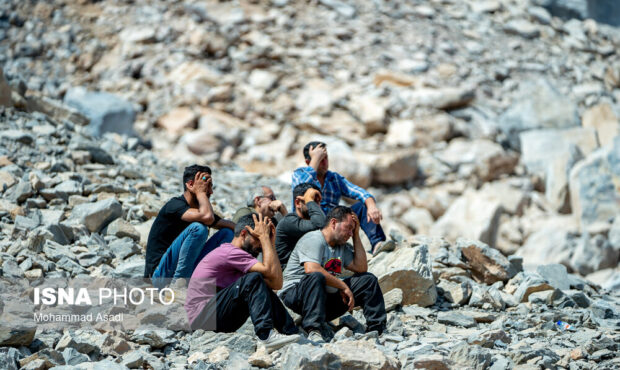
{"x":488,"y":265}
{"x":593,"y":186}
{"x":539,"y":105}
{"x":408,"y":269}
{"x":95,"y":216}
{"x":107,"y":112}
{"x":555,"y":274}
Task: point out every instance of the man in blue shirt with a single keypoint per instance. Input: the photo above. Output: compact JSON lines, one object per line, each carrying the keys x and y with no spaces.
{"x":334,"y":186}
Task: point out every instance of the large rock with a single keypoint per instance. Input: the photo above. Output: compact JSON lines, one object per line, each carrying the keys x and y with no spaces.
{"x":593,"y":254}
{"x":549,"y":242}
{"x":538,"y":105}
{"x":307,"y":357}
{"x":444,"y":98}
{"x":595,"y":196}
{"x":419,"y":132}
{"x":555,"y":274}
{"x":107,"y":112}
{"x":408,"y":269}
{"x":95,"y":216}
{"x":539,"y":148}
{"x":5,"y":91}
{"x":394,"y":167}
{"x":488,"y":159}
{"x":371,"y":111}
{"x":488,"y":265}
{"x":474,"y":215}
{"x":455,"y":318}
{"x":530,"y":283}
{"x":178,"y":119}
{"x":361,"y":355}
{"x":603,"y":119}
{"x":12,"y":335}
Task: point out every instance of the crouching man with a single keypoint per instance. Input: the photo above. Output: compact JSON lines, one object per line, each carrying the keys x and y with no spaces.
{"x":312,"y":284}
{"x":230,"y":284}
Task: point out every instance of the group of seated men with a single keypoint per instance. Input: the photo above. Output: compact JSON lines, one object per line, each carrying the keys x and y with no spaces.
{"x":304,"y":254}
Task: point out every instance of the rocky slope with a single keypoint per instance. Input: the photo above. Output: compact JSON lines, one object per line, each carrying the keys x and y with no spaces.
{"x":491,"y":125}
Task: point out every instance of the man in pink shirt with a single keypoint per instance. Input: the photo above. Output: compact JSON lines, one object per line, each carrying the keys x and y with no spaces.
{"x":230,"y":284}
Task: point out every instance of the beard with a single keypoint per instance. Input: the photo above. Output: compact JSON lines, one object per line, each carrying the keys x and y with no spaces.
{"x":304,"y":212}
{"x":247,"y":246}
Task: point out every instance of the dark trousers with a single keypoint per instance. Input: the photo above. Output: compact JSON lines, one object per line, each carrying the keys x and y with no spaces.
{"x":373,"y":231}
{"x":310,"y":299}
{"x":247,"y":297}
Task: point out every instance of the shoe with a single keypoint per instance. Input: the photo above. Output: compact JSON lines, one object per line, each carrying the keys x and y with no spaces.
{"x":316,"y":337}
{"x":179,"y":291}
{"x":384,"y":246}
{"x":276,"y":340}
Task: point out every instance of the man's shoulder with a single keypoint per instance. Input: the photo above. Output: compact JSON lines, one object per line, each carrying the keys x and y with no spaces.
{"x":311,"y":237}
{"x":176,"y":201}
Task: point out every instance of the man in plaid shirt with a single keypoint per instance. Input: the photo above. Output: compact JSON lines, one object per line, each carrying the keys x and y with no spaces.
{"x":334,"y":186}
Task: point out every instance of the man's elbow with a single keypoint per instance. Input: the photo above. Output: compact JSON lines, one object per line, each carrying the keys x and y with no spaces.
{"x":208,"y":219}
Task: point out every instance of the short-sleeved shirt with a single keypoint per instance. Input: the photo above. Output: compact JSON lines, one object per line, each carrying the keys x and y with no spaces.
{"x":217,"y":270}
{"x":313,"y":247}
{"x":166,"y":227}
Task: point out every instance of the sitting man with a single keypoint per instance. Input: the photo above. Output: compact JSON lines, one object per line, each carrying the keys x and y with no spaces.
{"x":230,"y":284}
{"x":178,"y":238}
{"x":312,"y":287}
{"x":262,"y":201}
{"x":334,"y":186}
{"x":308,"y":216}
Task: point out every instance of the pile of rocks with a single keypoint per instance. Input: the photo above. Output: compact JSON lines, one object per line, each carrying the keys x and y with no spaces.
{"x":73,"y":206}
{"x":490,"y":120}
{"x":492,"y":124}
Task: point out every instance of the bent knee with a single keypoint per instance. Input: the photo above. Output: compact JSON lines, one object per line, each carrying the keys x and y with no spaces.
{"x":198,"y":228}
{"x":317,"y":277}
{"x":368,"y":276}
{"x":254,"y":277}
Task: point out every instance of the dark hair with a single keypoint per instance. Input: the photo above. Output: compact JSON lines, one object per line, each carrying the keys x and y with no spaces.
{"x":339,"y":213}
{"x":301,"y":189}
{"x":190,"y":172}
{"x":311,"y":144}
{"x":244,"y":221}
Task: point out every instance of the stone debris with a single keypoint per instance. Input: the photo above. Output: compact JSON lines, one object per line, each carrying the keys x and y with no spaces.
{"x":487,"y":131}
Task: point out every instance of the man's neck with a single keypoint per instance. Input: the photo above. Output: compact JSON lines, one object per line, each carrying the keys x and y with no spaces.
{"x":191,"y":199}
{"x":328,"y":237}
{"x":237,"y":242}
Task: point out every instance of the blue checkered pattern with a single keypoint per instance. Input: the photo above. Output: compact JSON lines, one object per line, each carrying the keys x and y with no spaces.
{"x":336,"y":186}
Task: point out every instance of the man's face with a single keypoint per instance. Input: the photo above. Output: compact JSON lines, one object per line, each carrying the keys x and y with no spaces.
{"x":343,"y":231}
{"x":324,"y":165}
{"x":263,"y":203}
{"x":251,"y":245}
{"x":300,"y":204}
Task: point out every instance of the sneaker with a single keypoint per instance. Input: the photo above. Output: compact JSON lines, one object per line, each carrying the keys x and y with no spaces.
{"x":276,"y":340}
{"x":384,"y":246}
{"x":316,"y":337}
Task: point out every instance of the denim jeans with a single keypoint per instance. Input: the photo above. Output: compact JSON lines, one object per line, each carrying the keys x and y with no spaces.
{"x":373,"y":231}
{"x":186,"y":251}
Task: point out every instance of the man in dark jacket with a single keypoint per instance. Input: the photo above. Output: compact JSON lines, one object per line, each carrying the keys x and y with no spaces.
{"x":306,"y":217}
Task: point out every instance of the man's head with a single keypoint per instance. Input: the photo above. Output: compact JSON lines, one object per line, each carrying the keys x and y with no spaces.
{"x":298,"y":197}
{"x":260,"y":199}
{"x":324,"y":164}
{"x":339,"y":225}
{"x":248,"y":243}
{"x":189,"y":174}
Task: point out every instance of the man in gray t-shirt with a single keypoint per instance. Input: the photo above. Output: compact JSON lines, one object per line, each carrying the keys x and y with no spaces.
{"x":313,"y":286}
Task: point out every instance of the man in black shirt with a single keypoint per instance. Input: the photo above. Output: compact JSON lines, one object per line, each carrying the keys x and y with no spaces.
{"x":178,"y":237}
{"x":307,"y":216}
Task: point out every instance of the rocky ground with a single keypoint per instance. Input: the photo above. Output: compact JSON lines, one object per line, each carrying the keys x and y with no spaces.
{"x":489,"y":125}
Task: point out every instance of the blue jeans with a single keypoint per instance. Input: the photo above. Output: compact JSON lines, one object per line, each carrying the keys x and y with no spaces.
{"x":186,"y":251}
{"x":373,"y":231}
